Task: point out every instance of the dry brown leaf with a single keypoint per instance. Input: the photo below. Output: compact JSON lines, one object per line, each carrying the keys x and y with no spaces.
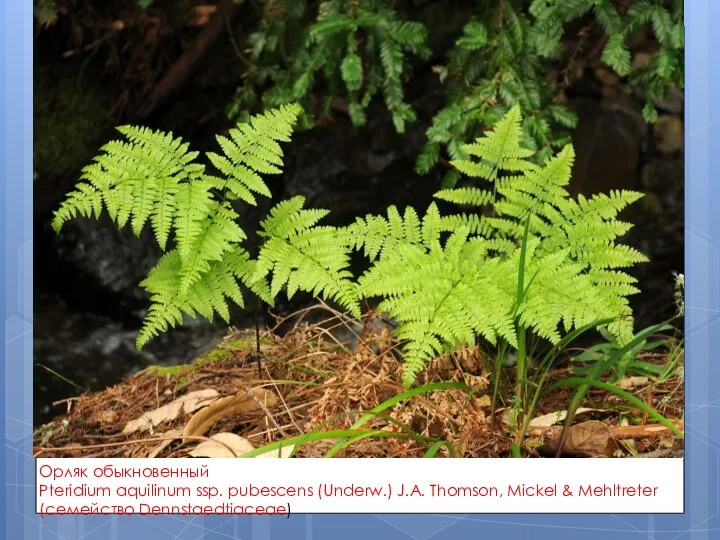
{"x":171,"y":435}
{"x":200,"y":15}
{"x":628,"y":383}
{"x":628,"y":444}
{"x":223,"y":445}
{"x":185,"y":404}
{"x":483,"y":402}
{"x":226,"y":407}
{"x":590,"y":438}
{"x":556,"y":417}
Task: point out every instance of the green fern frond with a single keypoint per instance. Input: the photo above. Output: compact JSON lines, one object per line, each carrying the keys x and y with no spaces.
{"x":152,"y":176}
{"x":376,"y":235}
{"x":253,"y":149}
{"x":205,"y":297}
{"x":502,"y":143}
{"x":442,"y":297}
{"x":305,"y":257}
{"x":136,"y":180}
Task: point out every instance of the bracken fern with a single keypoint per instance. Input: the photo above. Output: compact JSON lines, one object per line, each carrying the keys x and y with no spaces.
{"x":447,"y":295}
{"x":152,"y":176}
{"x":533,"y":259}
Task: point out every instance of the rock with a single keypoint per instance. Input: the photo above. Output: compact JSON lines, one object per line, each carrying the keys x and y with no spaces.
{"x":606,"y":76}
{"x":669,"y":134}
{"x":379,"y":162}
{"x":607,"y":143}
{"x":652,"y":204}
{"x":108,"y":259}
{"x":640,"y":60}
{"x":674,"y":102}
{"x":664,"y":175}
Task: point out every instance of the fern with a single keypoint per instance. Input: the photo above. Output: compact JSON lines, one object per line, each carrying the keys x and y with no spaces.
{"x":494,"y":65}
{"x":153,"y":177}
{"x":664,"y":17}
{"x":447,"y":295}
{"x":303,"y":256}
{"x":377,"y":235}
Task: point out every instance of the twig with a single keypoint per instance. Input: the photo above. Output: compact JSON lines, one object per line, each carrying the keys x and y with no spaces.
{"x":235,"y":45}
{"x":180,"y":71}
{"x":282,"y":399}
{"x":647,"y":431}
{"x":45,"y":449}
{"x":248,"y":390}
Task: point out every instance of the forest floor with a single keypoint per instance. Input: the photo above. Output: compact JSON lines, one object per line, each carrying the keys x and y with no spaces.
{"x":310,"y":383}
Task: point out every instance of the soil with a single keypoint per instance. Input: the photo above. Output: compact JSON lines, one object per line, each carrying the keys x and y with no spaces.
{"x":311,"y":381}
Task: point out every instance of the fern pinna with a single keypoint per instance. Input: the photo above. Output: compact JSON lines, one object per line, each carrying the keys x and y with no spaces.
{"x":446,"y":294}
{"x":152,"y":176}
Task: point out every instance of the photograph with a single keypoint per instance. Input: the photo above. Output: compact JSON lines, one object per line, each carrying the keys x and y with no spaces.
{"x":358,"y":229}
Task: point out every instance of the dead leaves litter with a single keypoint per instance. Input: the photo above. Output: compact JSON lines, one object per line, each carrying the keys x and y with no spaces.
{"x":183,"y":405}
{"x":230,"y":445}
{"x":241,"y":403}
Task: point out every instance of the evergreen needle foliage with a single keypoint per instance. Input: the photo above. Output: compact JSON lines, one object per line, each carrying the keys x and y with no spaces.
{"x":357,"y":51}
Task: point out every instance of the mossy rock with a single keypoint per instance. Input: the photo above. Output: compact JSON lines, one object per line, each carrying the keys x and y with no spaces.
{"x":220,"y":353}
{"x":69,"y":116}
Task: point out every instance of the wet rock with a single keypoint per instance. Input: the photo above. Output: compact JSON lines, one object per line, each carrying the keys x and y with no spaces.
{"x":94,"y":351}
{"x":108,"y":259}
{"x":664,"y":175}
{"x":669,"y":134}
{"x":607,"y":144}
{"x":606,"y":76}
{"x":674,"y":102}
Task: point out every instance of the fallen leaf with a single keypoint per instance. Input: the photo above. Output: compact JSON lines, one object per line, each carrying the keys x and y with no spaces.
{"x":628,"y":444}
{"x":184,"y":404}
{"x":590,"y":438}
{"x":483,"y":402}
{"x":629,"y":383}
{"x":667,"y":443}
{"x":200,"y":15}
{"x":171,"y":436}
{"x":226,"y":407}
{"x":223,"y":445}
{"x":556,"y":417}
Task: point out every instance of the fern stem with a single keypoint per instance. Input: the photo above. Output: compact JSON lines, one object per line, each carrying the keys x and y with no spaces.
{"x":520,"y":384}
{"x":256,"y":309}
{"x":521,"y":337}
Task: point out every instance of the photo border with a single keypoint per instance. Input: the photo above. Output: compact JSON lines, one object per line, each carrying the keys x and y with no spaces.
{"x":702,"y":388}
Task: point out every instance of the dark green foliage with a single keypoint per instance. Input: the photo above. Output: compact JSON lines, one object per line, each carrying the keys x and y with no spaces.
{"x":46,"y":13}
{"x":360,"y":49}
{"x":665,"y":17}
